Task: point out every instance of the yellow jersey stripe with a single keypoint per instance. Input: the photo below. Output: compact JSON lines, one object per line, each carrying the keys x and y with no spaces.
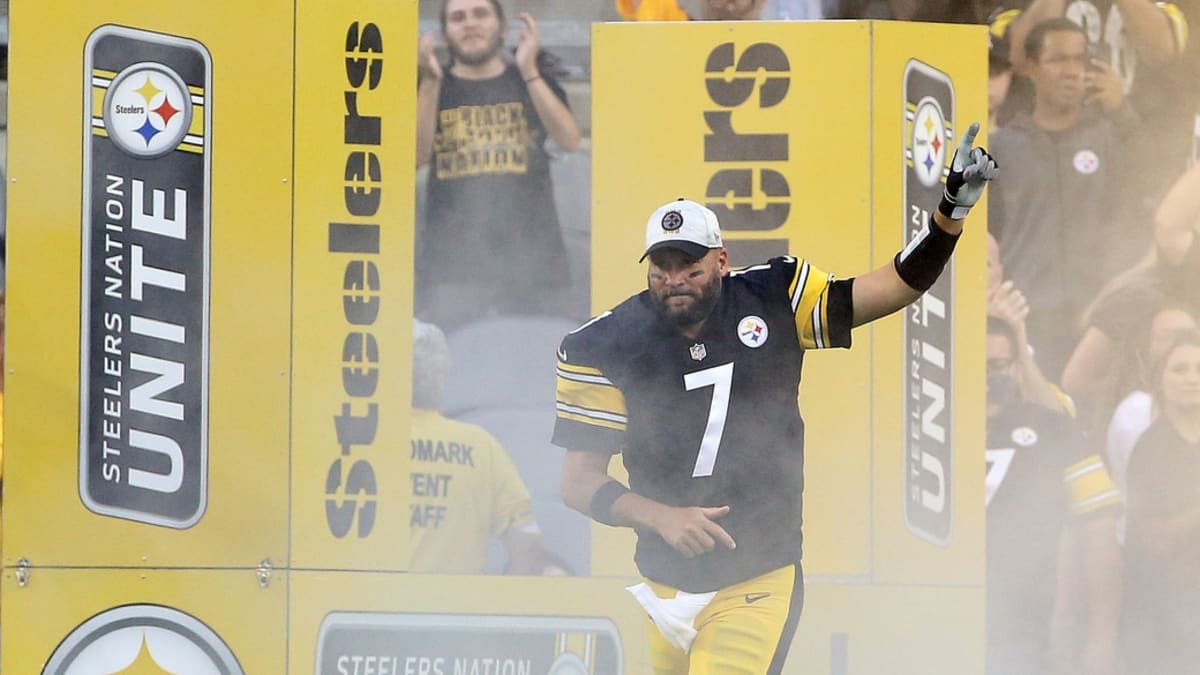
{"x":1178,"y":21}
{"x":579,"y":370}
{"x":798,"y":282}
{"x":592,"y":413}
{"x":999,"y":25}
{"x":605,"y":399}
{"x":1089,"y":487}
{"x":608,"y":424}
{"x":1065,"y":400}
{"x":1097,"y":503}
{"x":587,"y":379}
{"x":809,"y":301}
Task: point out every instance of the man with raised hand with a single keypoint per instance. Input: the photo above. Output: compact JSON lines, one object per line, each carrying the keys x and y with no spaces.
{"x":482,"y":124}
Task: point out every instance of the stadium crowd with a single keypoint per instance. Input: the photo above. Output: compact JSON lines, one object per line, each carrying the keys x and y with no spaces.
{"x":1093,"y":355}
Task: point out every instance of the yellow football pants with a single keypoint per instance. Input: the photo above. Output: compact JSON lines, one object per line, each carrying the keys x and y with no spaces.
{"x":745,"y":630}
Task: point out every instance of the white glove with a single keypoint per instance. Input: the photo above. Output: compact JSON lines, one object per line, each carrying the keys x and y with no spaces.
{"x":970,"y":170}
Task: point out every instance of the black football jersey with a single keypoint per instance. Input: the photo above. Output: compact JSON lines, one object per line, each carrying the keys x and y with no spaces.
{"x":710,"y":421}
{"x":1038,"y":475}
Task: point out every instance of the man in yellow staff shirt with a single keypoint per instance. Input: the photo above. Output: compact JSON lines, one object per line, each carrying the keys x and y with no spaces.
{"x":465,"y":488}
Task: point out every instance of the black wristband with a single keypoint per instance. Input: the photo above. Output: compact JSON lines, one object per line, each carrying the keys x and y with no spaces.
{"x":922,"y":261}
{"x":602,"y":502}
{"x":947,"y":206}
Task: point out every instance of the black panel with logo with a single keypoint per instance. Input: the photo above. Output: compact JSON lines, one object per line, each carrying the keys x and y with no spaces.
{"x":928,"y":338}
{"x":145,"y":277}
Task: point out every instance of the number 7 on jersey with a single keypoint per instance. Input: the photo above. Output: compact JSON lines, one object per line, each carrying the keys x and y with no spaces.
{"x":720,"y":378}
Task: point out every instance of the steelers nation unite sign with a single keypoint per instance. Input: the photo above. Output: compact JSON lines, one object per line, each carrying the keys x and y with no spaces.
{"x":928,"y":335}
{"x":143,"y":447}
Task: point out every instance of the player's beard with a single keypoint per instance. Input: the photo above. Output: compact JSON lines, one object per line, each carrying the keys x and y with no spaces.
{"x":703,"y":303}
{"x":495,"y":44}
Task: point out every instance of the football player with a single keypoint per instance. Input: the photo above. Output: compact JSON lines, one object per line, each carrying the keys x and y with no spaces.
{"x":694,"y":381}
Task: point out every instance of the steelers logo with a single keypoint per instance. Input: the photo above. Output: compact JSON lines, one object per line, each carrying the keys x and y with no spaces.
{"x":928,"y":142}
{"x":147,"y":110}
{"x":1086,"y":162}
{"x":142,"y":639}
{"x":752,"y":331}
{"x":1024,"y":436}
{"x":672,"y":220}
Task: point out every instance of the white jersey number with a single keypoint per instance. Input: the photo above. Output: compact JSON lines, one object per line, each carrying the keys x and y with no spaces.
{"x":998,"y":462}
{"x":720,"y":378}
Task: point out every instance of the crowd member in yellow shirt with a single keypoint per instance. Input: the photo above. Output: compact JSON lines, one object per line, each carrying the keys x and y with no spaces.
{"x":464,"y":487}
{"x":670,"y":10}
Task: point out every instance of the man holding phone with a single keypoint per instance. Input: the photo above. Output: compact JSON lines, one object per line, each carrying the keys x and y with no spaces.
{"x":1146,"y":44}
{"x":1103,"y":85}
{"x":1054,"y":219}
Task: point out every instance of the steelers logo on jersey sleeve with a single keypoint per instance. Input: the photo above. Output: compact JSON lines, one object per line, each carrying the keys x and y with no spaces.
{"x":752,"y":331}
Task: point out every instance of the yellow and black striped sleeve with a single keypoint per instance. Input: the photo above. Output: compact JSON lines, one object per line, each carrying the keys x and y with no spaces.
{"x":1000,"y":23}
{"x":1178,"y":22}
{"x":1090,"y":489}
{"x":822,"y":307}
{"x":590,"y":410}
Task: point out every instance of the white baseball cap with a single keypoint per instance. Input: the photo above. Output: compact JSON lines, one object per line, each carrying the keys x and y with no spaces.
{"x":685,"y":225}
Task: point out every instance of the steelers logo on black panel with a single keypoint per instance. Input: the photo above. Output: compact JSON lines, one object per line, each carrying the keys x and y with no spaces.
{"x":147,"y":110}
{"x":928,"y":141}
{"x":672,"y":220}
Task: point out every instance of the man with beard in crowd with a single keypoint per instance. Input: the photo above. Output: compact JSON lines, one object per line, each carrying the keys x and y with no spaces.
{"x":482,"y":122}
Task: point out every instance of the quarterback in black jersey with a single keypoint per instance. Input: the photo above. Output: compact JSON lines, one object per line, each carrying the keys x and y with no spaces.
{"x":695,"y":382}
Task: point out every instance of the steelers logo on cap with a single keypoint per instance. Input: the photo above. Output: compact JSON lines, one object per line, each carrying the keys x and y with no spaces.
{"x":672,"y":220}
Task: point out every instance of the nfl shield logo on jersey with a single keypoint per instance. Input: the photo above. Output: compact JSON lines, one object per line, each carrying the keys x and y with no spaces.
{"x":699,"y":352}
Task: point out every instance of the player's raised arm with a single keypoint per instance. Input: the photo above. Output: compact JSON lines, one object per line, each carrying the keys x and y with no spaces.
{"x":914,"y":269}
